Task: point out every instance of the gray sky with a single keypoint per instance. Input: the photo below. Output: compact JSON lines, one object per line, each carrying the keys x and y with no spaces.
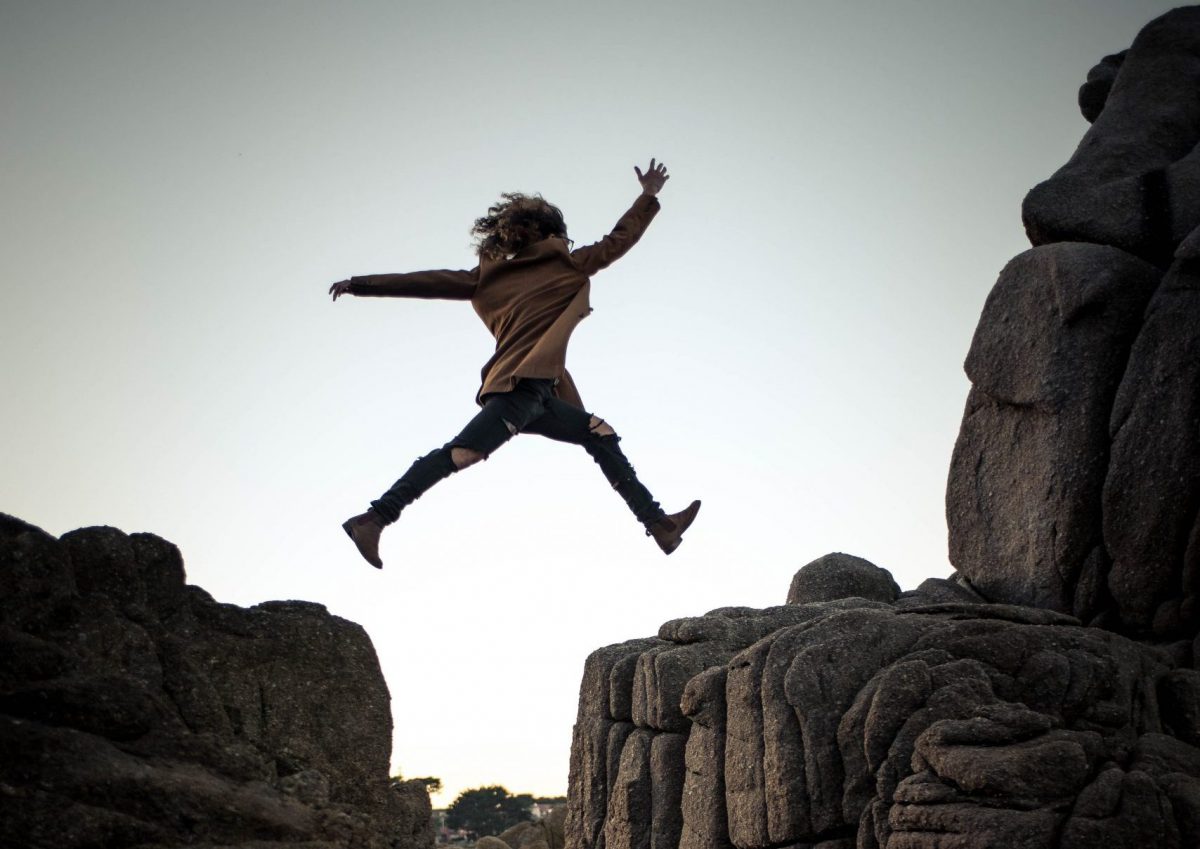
{"x":181,"y":182}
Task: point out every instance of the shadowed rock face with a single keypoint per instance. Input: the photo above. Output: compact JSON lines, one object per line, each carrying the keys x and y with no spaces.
{"x":1046,"y":695}
{"x":1075,"y":482}
{"x":1024,"y":498}
{"x":1134,"y":181}
{"x":137,"y":711}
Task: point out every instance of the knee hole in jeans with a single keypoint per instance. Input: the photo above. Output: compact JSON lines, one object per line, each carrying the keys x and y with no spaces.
{"x":463,"y":457}
{"x":600,"y":427}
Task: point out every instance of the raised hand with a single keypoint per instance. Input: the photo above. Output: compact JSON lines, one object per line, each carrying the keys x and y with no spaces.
{"x":652,"y":181}
{"x":342,"y":287}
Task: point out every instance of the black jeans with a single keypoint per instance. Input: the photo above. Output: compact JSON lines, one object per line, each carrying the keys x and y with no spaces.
{"x":529,"y":408}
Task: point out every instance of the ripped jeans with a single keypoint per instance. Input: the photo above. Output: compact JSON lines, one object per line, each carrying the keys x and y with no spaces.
{"x":529,"y":408}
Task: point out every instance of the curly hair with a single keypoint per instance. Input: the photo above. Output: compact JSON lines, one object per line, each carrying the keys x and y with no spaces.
{"x":514,"y":223}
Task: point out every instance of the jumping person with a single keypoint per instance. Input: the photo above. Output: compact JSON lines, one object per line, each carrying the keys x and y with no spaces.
{"x":531,"y":290}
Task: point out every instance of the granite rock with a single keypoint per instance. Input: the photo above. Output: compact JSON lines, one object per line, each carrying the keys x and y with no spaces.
{"x":137,"y":711}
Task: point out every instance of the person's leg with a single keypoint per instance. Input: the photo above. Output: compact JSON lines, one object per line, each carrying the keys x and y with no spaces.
{"x":502,"y":416}
{"x":566,"y":423}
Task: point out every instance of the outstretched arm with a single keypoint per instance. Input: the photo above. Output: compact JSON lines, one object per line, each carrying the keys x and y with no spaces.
{"x":630,"y":227}
{"x":455,"y":285}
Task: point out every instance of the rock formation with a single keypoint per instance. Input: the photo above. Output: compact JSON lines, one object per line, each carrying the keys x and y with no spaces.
{"x":135,"y":711}
{"x":1046,"y":696}
{"x":545,"y":833}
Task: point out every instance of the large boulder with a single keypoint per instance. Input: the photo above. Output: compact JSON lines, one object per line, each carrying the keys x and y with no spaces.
{"x":1152,"y":489}
{"x":135,"y":710}
{"x":841,"y":575}
{"x":1023,"y":501}
{"x":1134,"y":181}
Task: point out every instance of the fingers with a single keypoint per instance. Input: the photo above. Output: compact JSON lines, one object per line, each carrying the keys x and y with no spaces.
{"x":656,"y":169}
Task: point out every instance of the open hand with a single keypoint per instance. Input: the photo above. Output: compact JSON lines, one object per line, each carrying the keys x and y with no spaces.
{"x":342,"y":287}
{"x":653,"y":179}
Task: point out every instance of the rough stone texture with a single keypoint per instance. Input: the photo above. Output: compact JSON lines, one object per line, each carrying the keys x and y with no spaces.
{"x":840,"y":575}
{"x":1023,"y":501}
{"x":949,"y":724}
{"x":1134,"y":181}
{"x":1152,"y":493}
{"x":1093,"y":94}
{"x":136,"y":711}
{"x":1075,"y":482}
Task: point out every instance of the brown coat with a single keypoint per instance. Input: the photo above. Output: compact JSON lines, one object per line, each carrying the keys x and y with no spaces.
{"x":531,"y":302}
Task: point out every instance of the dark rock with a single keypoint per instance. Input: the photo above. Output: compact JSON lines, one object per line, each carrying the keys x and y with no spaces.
{"x":965,"y":825}
{"x":136,"y":711}
{"x":1023,"y":501}
{"x":114,"y":706}
{"x":36,"y":572}
{"x":161,"y":573}
{"x":840,"y":575}
{"x":891,"y":726}
{"x":938,"y":591}
{"x":25,"y":658}
{"x":1122,"y":810}
{"x":1132,"y":183}
{"x":1179,"y":703}
{"x":103,"y":561}
{"x":345,"y":734}
{"x":1152,"y":491}
{"x":1093,"y":94}
{"x":605,"y":694}
{"x":666,"y":790}
{"x":587,"y":782}
{"x":704,"y":822}
{"x":662,"y":673}
{"x":631,"y":804}
{"x":309,"y":786}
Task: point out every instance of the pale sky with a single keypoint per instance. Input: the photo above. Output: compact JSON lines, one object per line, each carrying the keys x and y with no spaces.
{"x":181,"y":182}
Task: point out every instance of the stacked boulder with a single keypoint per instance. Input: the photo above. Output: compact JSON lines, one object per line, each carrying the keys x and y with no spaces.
{"x":136,"y":711}
{"x":924,"y":720}
{"x":1075,"y":482}
{"x":1046,"y":695}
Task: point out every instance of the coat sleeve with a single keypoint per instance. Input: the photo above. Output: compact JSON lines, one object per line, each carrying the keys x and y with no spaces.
{"x":624,"y":236}
{"x":455,"y":285}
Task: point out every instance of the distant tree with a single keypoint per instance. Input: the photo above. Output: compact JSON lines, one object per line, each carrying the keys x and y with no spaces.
{"x":488,"y":810}
{"x":551,"y":800}
{"x":432,"y":785}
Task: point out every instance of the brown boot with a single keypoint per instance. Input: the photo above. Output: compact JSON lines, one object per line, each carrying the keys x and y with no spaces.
{"x":668,"y":531}
{"x":365,"y":529}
